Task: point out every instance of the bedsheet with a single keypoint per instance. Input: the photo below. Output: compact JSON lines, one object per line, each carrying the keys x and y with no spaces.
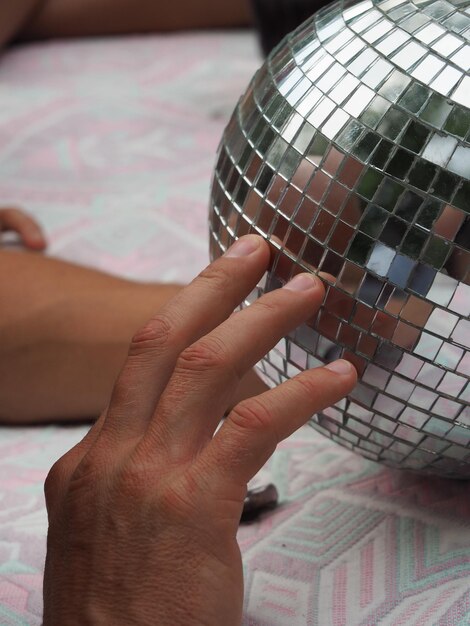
{"x":111,"y":143}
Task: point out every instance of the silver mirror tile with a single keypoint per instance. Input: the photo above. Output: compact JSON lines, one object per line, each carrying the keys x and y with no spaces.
{"x":350,"y":154}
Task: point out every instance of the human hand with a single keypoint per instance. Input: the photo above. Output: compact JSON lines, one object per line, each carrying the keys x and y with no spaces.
{"x":143,"y":513}
{"x":25,"y":226}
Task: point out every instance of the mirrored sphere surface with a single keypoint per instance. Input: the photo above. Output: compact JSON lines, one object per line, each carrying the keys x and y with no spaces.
{"x":350,"y":154}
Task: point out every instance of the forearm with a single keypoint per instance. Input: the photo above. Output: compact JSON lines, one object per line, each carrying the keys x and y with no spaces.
{"x":64,"y":334}
{"x":72,"y":18}
{"x":14,"y":14}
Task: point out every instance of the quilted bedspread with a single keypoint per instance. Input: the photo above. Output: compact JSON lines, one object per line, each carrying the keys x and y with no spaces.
{"x":111,"y":143}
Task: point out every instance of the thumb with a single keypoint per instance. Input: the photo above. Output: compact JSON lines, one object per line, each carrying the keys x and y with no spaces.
{"x":27,"y":228}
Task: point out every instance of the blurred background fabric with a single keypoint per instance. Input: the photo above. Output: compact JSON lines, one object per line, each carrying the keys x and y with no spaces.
{"x":111,"y":145}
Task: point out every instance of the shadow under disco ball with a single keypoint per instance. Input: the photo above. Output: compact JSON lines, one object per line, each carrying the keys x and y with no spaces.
{"x":350,"y":153}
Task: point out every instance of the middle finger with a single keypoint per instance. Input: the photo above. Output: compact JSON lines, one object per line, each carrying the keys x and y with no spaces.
{"x":207,"y":372}
{"x":195,"y":311}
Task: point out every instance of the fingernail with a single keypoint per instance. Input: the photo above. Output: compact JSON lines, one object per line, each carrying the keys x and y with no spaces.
{"x":244,"y":246}
{"x":302,"y":282}
{"x":340,"y":366}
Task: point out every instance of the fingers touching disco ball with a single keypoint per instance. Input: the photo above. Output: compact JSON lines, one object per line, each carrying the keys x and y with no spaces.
{"x":350,"y":154}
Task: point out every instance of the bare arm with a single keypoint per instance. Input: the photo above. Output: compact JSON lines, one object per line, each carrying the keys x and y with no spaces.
{"x":64,"y":335}
{"x":64,"y":330}
{"x":14,"y":14}
{"x":76,"y":18}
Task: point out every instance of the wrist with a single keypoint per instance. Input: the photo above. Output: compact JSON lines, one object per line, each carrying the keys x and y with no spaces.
{"x":177,"y":596}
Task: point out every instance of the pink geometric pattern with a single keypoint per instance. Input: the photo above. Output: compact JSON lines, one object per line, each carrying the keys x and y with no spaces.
{"x":111,"y":144}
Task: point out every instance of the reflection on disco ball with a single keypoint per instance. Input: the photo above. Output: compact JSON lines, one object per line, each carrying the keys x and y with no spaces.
{"x":350,"y":153}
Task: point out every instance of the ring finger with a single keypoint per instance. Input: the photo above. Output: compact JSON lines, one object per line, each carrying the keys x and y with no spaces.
{"x":208,"y":371}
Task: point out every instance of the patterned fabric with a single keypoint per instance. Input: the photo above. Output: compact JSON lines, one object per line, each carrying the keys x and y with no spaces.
{"x":111,"y":145}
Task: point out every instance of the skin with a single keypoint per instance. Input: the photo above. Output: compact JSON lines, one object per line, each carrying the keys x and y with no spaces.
{"x":14,"y":15}
{"x":29,"y":231}
{"x":70,"y":18}
{"x":144,"y":512}
{"x":75,"y":340}
{"x":67,"y":328}
{"x":40,"y":19}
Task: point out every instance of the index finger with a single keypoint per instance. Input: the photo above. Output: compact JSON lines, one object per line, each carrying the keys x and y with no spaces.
{"x":194,"y":312}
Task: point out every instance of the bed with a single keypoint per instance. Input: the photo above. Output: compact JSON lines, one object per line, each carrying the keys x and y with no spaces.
{"x":110,"y":143}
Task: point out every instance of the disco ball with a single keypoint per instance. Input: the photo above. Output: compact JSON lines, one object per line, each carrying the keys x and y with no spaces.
{"x":350,"y":154}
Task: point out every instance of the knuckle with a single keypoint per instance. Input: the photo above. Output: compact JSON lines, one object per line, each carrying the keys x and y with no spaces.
{"x":267,"y":305}
{"x":58,"y":476}
{"x":54,"y":480}
{"x":217,"y":277}
{"x":251,"y":415}
{"x":133,"y":483}
{"x":307,"y":385}
{"x":140,"y":475}
{"x":123,"y":394}
{"x":156,"y":335}
{"x":207,"y":354}
{"x":89,"y":470}
{"x":178,"y":499}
